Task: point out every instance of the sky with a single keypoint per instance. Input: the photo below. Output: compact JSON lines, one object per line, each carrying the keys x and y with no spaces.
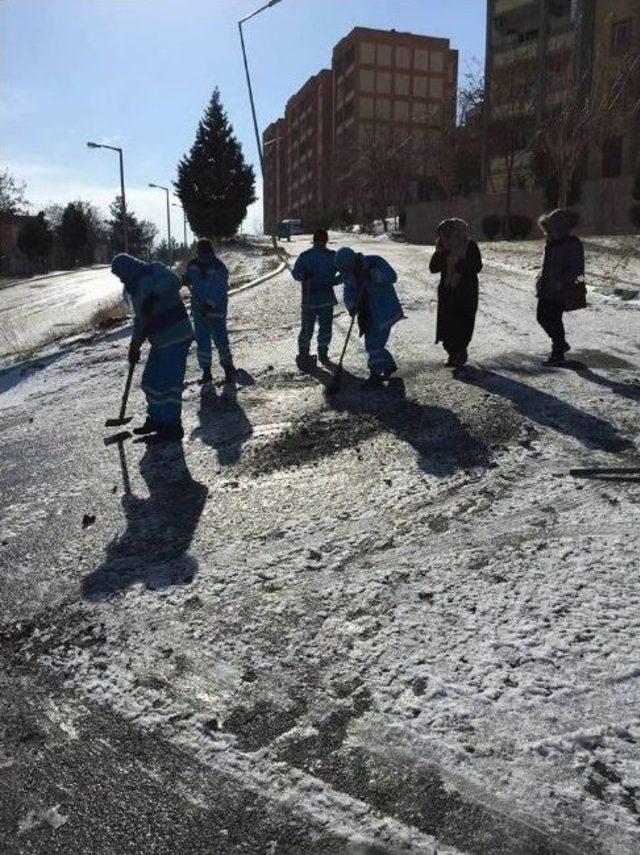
{"x":139,"y":73}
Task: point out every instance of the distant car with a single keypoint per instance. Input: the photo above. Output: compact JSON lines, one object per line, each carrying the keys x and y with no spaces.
{"x":290,"y":227}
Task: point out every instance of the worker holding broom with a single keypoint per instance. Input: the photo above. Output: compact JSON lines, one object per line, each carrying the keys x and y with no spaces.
{"x":161,"y":317}
{"x":315,"y":269}
{"x":207,"y":278}
{"x":369,"y":293}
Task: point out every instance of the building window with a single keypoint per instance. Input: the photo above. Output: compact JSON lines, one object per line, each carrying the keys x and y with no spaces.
{"x":403,"y":57}
{"x":401,"y":111}
{"x":383,"y":108}
{"x":612,"y":157}
{"x":368,"y":53}
{"x":421,"y":60}
{"x":437,"y":62}
{"x":366,"y":80}
{"x":402,"y":84}
{"x":420,"y":87}
{"x":436,"y":89}
{"x":621,"y":37}
{"x":383,"y":82}
{"x":366,"y":108}
{"x":384,"y":54}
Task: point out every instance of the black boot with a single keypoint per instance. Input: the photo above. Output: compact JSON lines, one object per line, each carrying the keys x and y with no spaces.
{"x":556,"y":357}
{"x":169,"y":433}
{"x":323,"y":355}
{"x":148,"y":427}
{"x":206,"y":376}
{"x":305,"y":362}
{"x":229,"y":374}
{"x":373,"y":382}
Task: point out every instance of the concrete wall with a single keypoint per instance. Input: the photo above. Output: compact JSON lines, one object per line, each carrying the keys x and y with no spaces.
{"x":604,"y":209}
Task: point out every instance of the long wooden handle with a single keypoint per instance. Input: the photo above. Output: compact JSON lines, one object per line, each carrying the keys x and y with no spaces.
{"x":127,"y":388}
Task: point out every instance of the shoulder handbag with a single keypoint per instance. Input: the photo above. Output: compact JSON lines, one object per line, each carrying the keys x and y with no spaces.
{"x":575,"y":295}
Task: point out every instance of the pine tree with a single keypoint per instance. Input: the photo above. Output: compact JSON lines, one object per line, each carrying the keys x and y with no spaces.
{"x":36,"y":239}
{"x":140,"y":233}
{"x":215,"y":185}
{"x":79,"y":233}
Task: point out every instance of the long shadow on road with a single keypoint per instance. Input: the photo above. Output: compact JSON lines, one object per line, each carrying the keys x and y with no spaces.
{"x":441,"y":440}
{"x":549,"y":411}
{"x":224,"y":425}
{"x":160,"y":528}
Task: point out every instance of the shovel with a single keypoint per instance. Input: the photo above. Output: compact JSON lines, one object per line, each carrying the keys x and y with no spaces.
{"x":122,"y":420}
{"x":333,"y":386}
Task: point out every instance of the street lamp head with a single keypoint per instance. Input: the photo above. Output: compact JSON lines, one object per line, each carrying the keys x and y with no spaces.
{"x":152,"y":185}
{"x":94,"y":145}
{"x":273,"y":3}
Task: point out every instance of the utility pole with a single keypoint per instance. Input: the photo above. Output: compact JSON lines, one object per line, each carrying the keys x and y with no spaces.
{"x":249,"y":87}
{"x":170,"y":248}
{"x":123,"y":212}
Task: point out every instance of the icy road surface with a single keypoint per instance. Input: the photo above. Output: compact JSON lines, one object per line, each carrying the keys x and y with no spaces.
{"x":43,"y":309}
{"x":385,"y":623}
{"x":38,"y":310}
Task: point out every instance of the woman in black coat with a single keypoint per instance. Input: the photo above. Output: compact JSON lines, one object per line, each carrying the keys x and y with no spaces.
{"x":458,"y":261}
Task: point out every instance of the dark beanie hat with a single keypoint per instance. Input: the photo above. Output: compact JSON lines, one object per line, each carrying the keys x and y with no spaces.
{"x":321,"y":236}
{"x":205,"y":247}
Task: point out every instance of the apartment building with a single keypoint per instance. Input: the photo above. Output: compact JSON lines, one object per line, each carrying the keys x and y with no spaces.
{"x":274,"y":197}
{"x":541,"y":51}
{"x":397,"y":84}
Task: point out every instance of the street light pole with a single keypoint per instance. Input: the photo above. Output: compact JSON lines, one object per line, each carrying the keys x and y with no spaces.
{"x":184,"y":222}
{"x":246,"y":69}
{"x":123,"y":213}
{"x":170,"y":248}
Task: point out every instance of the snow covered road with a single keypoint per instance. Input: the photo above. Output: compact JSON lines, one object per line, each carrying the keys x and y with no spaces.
{"x":384,"y":623}
{"x":36,"y":311}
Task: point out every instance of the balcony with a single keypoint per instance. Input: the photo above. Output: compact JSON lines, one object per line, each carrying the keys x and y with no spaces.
{"x":503,"y":7}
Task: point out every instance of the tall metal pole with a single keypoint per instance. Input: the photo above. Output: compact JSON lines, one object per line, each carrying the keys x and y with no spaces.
{"x":125,"y":231}
{"x":166,"y":190}
{"x":123,"y":209}
{"x":184,"y":223}
{"x":253,"y":107}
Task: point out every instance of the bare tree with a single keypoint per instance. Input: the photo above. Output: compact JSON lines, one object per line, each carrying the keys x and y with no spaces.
{"x":511,"y":125}
{"x":584,"y":110}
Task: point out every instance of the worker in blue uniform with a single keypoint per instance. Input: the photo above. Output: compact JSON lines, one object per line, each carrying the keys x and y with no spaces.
{"x":208,"y":279}
{"x":161,"y":318}
{"x":315,"y":270}
{"x":369,"y":292}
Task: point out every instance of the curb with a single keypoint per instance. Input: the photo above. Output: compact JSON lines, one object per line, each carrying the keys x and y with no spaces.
{"x":270,"y":275}
{"x":39,"y":355}
{"x":29,"y":279}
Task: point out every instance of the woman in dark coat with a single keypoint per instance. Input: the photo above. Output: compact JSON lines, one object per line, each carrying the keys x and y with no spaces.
{"x":562,"y":264}
{"x":458,"y":261}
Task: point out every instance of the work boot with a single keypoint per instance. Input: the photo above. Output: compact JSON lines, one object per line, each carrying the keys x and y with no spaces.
{"x":304,"y":362}
{"x":555,"y":358}
{"x":169,"y":433}
{"x":148,"y":427}
{"x":323,"y":355}
{"x":206,"y":376}
{"x":373,"y":382}
{"x":460,"y":358}
{"x":229,"y":374}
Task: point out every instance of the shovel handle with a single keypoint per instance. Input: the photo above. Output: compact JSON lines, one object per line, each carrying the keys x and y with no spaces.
{"x":127,"y":389}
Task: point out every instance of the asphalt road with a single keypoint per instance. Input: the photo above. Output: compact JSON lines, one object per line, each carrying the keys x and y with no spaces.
{"x":382,"y":624}
{"x":36,"y":311}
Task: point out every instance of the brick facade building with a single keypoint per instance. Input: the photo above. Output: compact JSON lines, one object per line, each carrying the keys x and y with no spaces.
{"x":384,"y":88}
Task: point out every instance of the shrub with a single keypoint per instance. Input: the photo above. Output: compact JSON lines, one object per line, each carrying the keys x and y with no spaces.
{"x":517,"y":227}
{"x":491,"y":226}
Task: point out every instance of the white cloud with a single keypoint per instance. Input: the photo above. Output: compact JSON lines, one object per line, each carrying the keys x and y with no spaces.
{"x":48,"y":184}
